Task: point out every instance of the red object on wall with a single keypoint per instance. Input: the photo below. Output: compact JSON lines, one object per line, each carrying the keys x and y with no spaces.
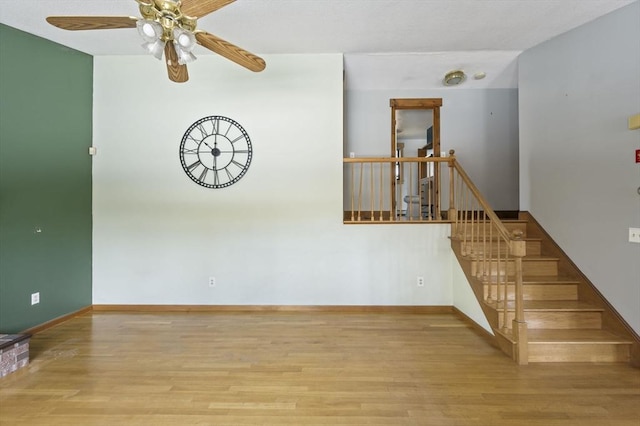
{"x":637,"y":155}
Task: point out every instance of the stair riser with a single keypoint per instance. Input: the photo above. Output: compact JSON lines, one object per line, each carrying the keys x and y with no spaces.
{"x":478,"y":248}
{"x":578,"y":352}
{"x":529,"y":268}
{"x":558,"y":320}
{"x":536,"y":291}
{"x":478,"y":228}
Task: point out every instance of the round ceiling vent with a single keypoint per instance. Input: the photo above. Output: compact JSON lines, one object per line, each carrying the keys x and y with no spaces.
{"x":453,"y":78}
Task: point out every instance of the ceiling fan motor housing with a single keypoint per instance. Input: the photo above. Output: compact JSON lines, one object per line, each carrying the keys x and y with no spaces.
{"x":167,"y":14}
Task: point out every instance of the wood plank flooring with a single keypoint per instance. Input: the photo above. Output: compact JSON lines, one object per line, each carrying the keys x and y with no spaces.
{"x":300,"y":368}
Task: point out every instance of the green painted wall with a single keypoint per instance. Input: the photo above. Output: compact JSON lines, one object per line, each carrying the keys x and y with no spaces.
{"x":46,"y":95}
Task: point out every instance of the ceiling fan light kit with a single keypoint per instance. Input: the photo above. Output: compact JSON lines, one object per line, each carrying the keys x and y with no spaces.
{"x":155,"y":48}
{"x":184,"y":42}
{"x":169,"y":26}
{"x":150,"y":31}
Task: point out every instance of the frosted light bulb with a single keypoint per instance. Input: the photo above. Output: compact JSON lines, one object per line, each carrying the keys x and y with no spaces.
{"x":184,"y":40}
{"x":148,"y":30}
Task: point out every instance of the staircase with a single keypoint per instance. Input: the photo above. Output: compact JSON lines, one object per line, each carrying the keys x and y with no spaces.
{"x":567,"y":320}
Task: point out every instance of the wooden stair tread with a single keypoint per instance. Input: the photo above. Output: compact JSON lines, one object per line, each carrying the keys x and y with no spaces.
{"x":533,"y":279}
{"x":504,"y":221}
{"x":538,"y":258}
{"x":476,"y":238}
{"x":534,"y":258}
{"x":550,"y":306}
{"x":570,"y":336}
{"x":574,"y":336}
{"x":548,"y":279}
{"x":513,"y":221}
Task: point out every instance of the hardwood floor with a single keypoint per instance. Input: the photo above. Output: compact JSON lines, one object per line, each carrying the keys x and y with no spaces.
{"x":300,"y":368}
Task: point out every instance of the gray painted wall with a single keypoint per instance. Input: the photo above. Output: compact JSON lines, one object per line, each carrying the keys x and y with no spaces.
{"x":480,"y":124}
{"x":577,"y":171}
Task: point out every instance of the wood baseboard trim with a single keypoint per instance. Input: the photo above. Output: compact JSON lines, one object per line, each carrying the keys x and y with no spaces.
{"x":406,"y":309}
{"x":52,"y":323}
{"x":490,"y":338}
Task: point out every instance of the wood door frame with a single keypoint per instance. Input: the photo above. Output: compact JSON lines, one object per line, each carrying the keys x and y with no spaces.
{"x":433,"y":104}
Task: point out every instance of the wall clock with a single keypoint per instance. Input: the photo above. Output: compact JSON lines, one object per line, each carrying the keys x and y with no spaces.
{"x":215,"y":152}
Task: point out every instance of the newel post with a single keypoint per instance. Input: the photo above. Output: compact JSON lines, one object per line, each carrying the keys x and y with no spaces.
{"x":518,"y":251}
{"x":453,"y":213}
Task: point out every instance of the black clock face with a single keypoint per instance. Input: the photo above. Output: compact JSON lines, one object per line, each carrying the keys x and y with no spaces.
{"x":215,"y":152}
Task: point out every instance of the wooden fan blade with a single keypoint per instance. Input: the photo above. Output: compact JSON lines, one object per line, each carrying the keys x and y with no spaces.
{"x":177,"y":72}
{"x":230,"y":51}
{"x":200,"y":8}
{"x":74,"y":23}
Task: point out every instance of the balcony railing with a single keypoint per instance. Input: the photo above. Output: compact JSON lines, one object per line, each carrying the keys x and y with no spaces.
{"x":402,"y":190}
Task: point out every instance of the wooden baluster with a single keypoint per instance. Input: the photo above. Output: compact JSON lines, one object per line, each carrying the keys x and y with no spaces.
{"x":410,"y":194}
{"x":473,"y":228}
{"x":490,"y":290}
{"x":353,"y":190}
{"x":371,"y":189}
{"x":468,"y":224}
{"x":421,"y":189}
{"x":484,"y":247}
{"x":360,"y":192}
{"x":452,"y":208}
{"x":381,"y":189}
{"x":504,"y":291}
{"x":459,"y":205}
{"x":497,"y":278}
{"x":464,"y":221}
{"x":434,"y":191}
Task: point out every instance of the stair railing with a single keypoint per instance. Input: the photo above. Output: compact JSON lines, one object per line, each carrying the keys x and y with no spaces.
{"x":374,"y":190}
{"x":497,"y":252}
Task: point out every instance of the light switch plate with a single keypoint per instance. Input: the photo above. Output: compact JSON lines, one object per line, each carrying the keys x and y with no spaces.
{"x":634,"y":235}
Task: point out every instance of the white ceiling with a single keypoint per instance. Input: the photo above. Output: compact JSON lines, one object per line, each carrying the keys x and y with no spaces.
{"x":477,"y":35}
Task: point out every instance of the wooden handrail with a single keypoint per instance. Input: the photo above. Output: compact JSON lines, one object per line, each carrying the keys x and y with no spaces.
{"x":488,"y":211}
{"x":397,"y":160}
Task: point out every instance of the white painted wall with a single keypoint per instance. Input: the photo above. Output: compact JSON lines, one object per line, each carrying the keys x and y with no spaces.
{"x":464,"y":299}
{"x":276,"y":236}
{"x":480,"y":124}
{"x":577,"y":171}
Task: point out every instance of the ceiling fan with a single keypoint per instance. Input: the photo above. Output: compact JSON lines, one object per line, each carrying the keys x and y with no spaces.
{"x":169,"y":26}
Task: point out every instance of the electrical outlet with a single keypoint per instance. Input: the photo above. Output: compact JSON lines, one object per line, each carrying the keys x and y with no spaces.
{"x":634,"y":235}
{"x":35,"y":298}
{"x":420,"y":281}
{"x":212,"y":281}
